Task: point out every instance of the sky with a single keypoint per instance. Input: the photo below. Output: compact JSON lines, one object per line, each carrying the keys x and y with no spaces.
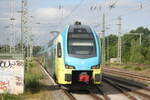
{"x":53,"y":15}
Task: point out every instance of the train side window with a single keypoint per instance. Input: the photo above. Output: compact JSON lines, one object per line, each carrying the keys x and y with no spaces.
{"x":59,"y":54}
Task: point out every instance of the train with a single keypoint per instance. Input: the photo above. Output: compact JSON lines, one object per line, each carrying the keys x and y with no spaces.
{"x":74,"y":56}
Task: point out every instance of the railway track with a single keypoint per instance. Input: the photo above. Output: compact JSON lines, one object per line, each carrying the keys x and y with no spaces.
{"x":71,"y":97}
{"x":67,"y":92}
{"x":96,"y":97}
{"x":120,"y":89}
{"x":105,"y":96}
{"x":132,"y":84}
{"x":125,"y":87}
{"x":100,"y":92}
{"x":121,"y":86}
{"x":126,"y":74}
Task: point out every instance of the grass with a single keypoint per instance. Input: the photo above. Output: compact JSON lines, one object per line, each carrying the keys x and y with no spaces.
{"x":9,"y":97}
{"x":132,"y":67}
{"x":32,"y":78}
{"x":35,"y":87}
{"x":32,"y":84}
{"x":138,"y":68}
{"x":127,"y":67}
{"x":135,"y":68}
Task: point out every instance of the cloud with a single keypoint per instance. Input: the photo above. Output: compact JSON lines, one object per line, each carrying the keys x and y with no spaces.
{"x":126,"y":3}
{"x":48,"y":14}
{"x":50,"y":17}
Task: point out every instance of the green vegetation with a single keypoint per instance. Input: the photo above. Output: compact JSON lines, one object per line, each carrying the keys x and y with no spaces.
{"x":36,"y":49}
{"x":32,"y":83}
{"x":138,"y":68}
{"x":5,"y":49}
{"x":127,"y":67}
{"x":132,"y":51}
{"x":135,"y":67}
{"x":32,"y":78}
{"x":35,"y":84}
{"x":9,"y":97}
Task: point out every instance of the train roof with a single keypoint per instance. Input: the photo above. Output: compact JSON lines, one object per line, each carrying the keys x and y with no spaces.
{"x":80,"y":28}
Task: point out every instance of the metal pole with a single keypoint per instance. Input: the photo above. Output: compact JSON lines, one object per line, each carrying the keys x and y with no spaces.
{"x":22,"y":10}
{"x":31,"y":43}
{"x":107,"y":45}
{"x":108,"y":49}
{"x":103,"y":41}
{"x":140,"y":39}
{"x":119,"y":39}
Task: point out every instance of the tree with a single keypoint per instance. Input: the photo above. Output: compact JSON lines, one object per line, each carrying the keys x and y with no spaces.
{"x":111,"y":43}
{"x":135,"y":54}
{"x":144,"y":49}
{"x":132,"y":51}
{"x":36,"y":49}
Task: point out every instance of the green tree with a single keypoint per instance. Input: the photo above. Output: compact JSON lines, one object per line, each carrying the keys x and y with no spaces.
{"x":111,"y":46}
{"x":144,"y":49}
{"x":132,"y":51}
{"x":135,"y":54}
{"x":36,"y":49}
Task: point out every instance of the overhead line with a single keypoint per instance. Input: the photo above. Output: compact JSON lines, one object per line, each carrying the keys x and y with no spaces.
{"x":73,"y":10}
{"x":126,"y":14}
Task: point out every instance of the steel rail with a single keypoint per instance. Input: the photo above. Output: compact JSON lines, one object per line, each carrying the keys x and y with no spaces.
{"x":127,"y":75}
{"x":120,"y":89}
{"x":70,"y":96}
{"x":127,"y":83}
{"x":121,"y":85}
{"x":125,"y":71}
{"x":136,"y":92}
{"x":106,"y":97}
{"x":93,"y":94}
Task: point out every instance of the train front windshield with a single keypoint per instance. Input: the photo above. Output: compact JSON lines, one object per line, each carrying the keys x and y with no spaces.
{"x":81,"y":42}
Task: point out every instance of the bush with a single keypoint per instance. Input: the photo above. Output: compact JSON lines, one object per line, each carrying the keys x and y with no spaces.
{"x":138,"y":68}
{"x":8,"y":97}
{"x":147,"y":62}
{"x":32,"y":78}
{"x":31,"y":65}
{"x":32,"y":82}
{"x":127,"y":67}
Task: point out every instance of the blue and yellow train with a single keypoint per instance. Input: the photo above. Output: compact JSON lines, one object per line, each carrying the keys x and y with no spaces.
{"x":74,"y":56}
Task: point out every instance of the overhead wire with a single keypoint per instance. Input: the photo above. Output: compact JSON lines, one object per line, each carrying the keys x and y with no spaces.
{"x":126,"y":14}
{"x":65,"y":18}
{"x":73,"y":10}
{"x":83,"y":19}
{"x":95,"y":7}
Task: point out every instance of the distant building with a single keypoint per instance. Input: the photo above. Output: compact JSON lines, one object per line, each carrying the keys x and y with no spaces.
{"x":114,"y":60}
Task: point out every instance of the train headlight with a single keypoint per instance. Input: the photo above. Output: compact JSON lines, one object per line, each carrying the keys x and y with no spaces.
{"x":69,"y":67}
{"x":95,"y":67}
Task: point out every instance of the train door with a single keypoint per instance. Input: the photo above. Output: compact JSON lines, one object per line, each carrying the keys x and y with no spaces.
{"x":58,"y":58}
{"x":53,"y":61}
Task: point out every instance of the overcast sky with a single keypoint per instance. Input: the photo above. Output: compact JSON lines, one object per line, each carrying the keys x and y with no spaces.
{"x":50,"y":15}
